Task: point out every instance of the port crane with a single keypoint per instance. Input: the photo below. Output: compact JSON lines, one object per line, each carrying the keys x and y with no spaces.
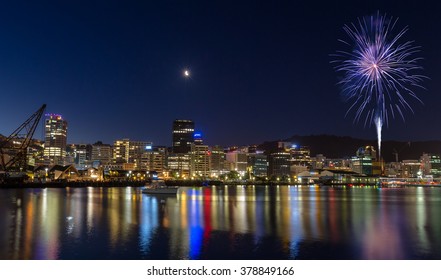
{"x":13,"y":149}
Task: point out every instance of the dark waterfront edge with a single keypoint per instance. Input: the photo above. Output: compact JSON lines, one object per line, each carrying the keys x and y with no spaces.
{"x":186,"y":183}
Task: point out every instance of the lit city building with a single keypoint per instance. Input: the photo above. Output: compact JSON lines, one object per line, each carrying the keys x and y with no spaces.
{"x":237,"y":160}
{"x":153,"y":160}
{"x":183,"y":131}
{"x":258,"y":165}
{"x":77,"y":154}
{"x":101,"y":153}
{"x":217,"y":161}
{"x":200,"y":158}
{"x":121,"y":151}
{"x":410,"y":168}
{"x":157,"y":160}
{"x":431,"y":165}
{"x":179,"y":165}
{"x":55,"y":139}
{"x":279,"y":164}
{"x":128,"y":151}
{"x":365,"y":162}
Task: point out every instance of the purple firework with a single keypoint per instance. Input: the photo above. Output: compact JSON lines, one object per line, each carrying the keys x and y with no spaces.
{"x":380,"y":72}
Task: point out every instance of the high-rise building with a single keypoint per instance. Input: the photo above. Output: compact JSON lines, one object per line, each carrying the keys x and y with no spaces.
{"x":200,"y":158}
{"x":121,"y":151}
{"x":157,"y":160}
{"x":183,"y":133}
{"x":55,"y":139}
{"x":217,"y":161}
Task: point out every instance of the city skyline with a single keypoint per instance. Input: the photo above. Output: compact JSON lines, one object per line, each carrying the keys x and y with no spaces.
{"x":256,"y":71}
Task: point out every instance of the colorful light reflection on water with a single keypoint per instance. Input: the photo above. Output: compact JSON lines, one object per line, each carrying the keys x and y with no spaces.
{"x":227,"y":222}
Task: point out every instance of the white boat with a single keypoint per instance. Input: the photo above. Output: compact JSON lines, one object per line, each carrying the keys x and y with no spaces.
{"x":159,"y":187}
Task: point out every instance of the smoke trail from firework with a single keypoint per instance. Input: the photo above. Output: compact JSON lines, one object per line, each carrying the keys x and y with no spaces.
{"x":379,"y":72}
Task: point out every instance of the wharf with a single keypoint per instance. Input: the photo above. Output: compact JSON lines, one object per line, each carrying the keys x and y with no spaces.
{"x":74,"y":184}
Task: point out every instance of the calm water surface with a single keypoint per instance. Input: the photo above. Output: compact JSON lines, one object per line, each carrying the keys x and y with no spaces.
{"x":228,"y":222}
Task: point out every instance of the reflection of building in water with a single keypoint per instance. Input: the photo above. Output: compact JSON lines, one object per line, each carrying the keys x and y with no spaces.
{"x":36,"y":223}
{"x":284,"y":211}
{"x":148,"y":222}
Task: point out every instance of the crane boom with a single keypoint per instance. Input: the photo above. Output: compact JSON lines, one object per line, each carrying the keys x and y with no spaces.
{"x":13,"y":150}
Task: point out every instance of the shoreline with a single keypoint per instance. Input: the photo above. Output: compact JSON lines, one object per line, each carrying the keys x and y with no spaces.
{"x":191,"y":183}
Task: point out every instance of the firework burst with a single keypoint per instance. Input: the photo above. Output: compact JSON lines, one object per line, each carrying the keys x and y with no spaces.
{"x":379,"y":72}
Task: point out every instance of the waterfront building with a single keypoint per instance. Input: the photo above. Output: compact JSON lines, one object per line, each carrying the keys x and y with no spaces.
{"x":183,"y":136}
{"x":300,"y":155}
{"x":153,"y":160}
{"x":200,"y":160}
{"x":35,"y":153}
{"x":279,"y":164}
{"x":70,"y":154}
{"x":157,"y":160}
{"x":297,"y":169}
{"x":237,"y":160}
{"x":55,"y":139}
{"x":121,"y":151}
{"x":179,"y":165}
{"x":200,"y":157}
{"x":258,"y":164}
{"x":342,"y":164}
{"x":318,"y":162}
{"x":136,"y":150}
{"x":431,"y":165}
{"x":76,"y":154}
{"x":365,"y":162}
{"x":393,"y":169}
{"x":217,"y":162}
{"x":60,"y":172}
{"x":101,"y":153}
{"x":128,"y":151}
{"x":410,"y":168}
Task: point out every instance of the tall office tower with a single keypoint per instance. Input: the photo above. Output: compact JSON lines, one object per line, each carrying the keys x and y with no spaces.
{"x":182,"y":136}
{"x":217,"y":162}
{"x":55,"y":139}
{"x":200,"y":157}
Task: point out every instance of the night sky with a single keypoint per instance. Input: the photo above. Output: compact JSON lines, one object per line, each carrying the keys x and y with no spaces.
{"x":260,"y":70}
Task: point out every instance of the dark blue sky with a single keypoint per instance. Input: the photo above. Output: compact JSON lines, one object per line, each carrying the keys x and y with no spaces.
{"x":260,"y":69}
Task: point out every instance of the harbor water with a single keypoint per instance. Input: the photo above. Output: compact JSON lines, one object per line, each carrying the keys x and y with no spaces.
{"x":221,"y":222}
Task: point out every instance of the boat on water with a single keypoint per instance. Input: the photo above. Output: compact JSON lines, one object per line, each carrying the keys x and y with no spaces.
{"x":159,"y":187}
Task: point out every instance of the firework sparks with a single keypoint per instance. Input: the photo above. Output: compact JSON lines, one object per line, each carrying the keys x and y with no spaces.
{"x":380,"y":72}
